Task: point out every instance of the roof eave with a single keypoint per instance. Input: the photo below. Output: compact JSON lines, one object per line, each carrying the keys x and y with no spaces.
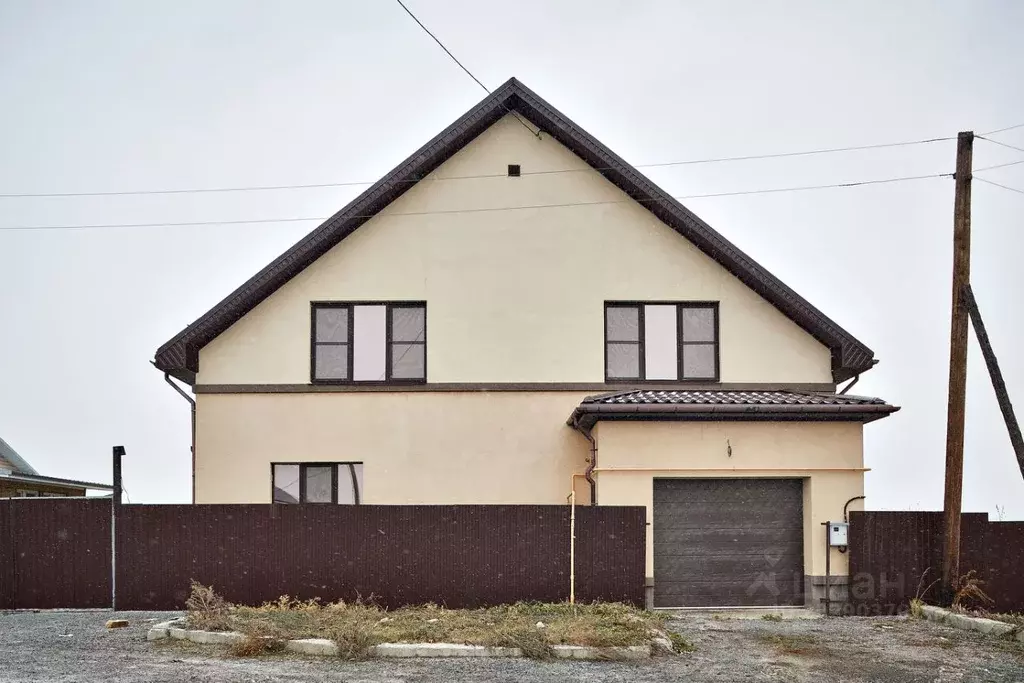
{"x":55,"y":481}
{"x":586,"y":415}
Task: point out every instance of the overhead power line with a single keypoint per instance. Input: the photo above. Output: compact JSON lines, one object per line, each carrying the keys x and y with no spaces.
{"x":1003,"y":130}
{"x":989,"y":168}
{"x":802,"y":188}
{"x":664,"y":164}
{"x":1001,"y":144}
{"x":441,"y":45}
{"x":461,"y":65}
{"x":1005,"y":187}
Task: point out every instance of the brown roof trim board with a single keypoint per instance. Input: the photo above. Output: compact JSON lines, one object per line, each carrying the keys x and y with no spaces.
{"x":766,"y":406}
{"x":477,"y":386}
{"x":180,"y":355}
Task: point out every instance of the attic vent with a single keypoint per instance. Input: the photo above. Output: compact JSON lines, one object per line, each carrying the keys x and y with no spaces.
{"x":513,"y":170}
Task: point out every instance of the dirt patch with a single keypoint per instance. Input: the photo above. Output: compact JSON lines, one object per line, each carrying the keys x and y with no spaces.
{"x":861,"y":649}
{"x":791,"y":644}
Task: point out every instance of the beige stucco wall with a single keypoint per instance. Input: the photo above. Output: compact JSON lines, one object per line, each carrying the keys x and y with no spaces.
{"x":514,"y":296}
{"x":759,"y":449}
{"x":426,"y":447}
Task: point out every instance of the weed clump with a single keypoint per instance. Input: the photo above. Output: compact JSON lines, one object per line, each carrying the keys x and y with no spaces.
{"x":207,"y":610}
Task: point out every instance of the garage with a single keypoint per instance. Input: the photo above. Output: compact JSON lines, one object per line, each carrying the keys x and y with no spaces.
{"x":728,"y":542}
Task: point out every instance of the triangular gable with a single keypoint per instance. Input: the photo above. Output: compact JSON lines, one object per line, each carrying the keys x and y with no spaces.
{"x":9,"y":457}
{"x":180,"y":355}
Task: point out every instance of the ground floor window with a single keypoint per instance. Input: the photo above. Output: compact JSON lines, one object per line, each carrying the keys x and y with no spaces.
{"x":318,"y":482}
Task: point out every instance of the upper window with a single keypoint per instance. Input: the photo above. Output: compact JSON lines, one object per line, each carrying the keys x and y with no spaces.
{"x":375,"y":343}
{"x":318,"y":482}
{"x":661,"y":341}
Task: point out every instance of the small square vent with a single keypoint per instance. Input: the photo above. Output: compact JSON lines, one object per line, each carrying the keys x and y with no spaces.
{"x":513,"y":170}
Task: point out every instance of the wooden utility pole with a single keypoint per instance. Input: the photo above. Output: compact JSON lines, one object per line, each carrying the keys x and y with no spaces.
{"x":957,"y":361}
{"x":1002,"y":396}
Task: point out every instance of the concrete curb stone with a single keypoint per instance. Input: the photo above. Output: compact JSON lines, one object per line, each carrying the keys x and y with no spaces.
{"x":583,"y":652}
{"x":320,"y":646}
{"x":442,"y":650}
{"x":312,"y":646}
{"x":969,"y":623}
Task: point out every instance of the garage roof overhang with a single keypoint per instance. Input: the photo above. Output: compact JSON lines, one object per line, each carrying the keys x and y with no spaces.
{"x":761,"y":406}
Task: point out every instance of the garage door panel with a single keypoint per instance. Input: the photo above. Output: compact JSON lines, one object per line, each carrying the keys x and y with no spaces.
{"x":731,"y":594}
{"x":698,"y":568}
{"x":701,"y":515}
{"x":718,"y":538}
{"x":739,"y":491}
{"x":770,"y":554}
{"x":728,"y":542}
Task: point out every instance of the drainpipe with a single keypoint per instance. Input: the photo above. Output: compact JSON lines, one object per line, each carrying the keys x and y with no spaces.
{"x":847,"y":504}
{"x":588,"y":475}
{"x":850,"y":385}
{"x":192,"y":403}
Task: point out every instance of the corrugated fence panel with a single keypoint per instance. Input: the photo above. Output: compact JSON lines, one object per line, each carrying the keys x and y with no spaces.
{"x":611,"y":554}
{"x":56,"y":553}
{"x":998,"y":557}
{"x":896,"y":555}
{"x":7,"y":556}
{"x":461,"y":556}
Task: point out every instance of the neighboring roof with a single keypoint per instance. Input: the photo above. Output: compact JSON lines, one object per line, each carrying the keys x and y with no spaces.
{"x":23,"y":472}
{"x":727,"y":405}
{"x":17,"y":463}
{"x":180,"y":355}
{"x":54,"y":481}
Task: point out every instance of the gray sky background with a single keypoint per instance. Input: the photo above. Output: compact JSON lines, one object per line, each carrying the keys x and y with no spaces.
{"x":101,"y":96}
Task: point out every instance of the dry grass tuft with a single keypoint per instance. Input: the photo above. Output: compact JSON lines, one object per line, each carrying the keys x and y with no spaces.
{"x":207,"y":610}
{"x":680,"y":644}
{"x":969,"y":588}
{"x":1015,"y":618}
{"x":261,"y":637}
{"x":532,"y":641}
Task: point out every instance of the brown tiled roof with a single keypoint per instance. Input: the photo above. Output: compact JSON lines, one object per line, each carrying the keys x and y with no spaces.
{"x":180,"y":355}
{"x":731,"y":397}
{"x":682,"y":404}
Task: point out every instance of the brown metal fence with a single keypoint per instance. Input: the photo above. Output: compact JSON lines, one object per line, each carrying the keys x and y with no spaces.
{"x":896,"y":555}
{"x":460,"y":556}
{"x":54,"y":553}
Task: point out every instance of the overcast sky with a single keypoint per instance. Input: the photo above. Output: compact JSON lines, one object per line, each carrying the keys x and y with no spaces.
{"x":107,"y":96}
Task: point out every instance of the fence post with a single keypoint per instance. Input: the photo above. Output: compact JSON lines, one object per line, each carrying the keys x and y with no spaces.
{"x":115,"y":505}
{"x":8,"y":555}
{"x":572,"y":548}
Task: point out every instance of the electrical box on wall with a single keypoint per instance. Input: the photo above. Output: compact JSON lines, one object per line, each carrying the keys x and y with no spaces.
{"x":837,"y":533}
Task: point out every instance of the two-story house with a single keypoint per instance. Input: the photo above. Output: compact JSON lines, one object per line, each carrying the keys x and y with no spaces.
{"x":514,"y":312}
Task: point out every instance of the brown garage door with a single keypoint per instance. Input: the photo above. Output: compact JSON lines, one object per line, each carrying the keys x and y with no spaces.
{"x":721,"y":542}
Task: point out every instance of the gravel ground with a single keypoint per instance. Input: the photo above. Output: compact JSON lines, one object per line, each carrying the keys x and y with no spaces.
{"x":75,"y":646}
